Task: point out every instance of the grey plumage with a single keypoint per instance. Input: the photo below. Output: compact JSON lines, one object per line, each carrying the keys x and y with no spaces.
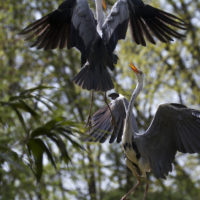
{"x":64,"y":27}
{"x":175,"y":127}
{"x":145,"y":22}
{"x":101,"y":123}
{"x":73,"y":25}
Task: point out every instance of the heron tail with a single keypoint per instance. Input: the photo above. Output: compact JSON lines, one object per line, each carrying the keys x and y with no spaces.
{"x":94,"y":78}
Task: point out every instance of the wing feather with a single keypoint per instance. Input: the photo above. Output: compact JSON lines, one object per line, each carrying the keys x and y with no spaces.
{"x":187,"y":143}
{"x":71,"y":25}
{"x":174,"y":128}
{"x":146,"y":31}
{"x":117,"y":132}
{"x":102,"y":125}
{"x":160,"y":23}
{"x":136,"y":29}
{"x":116,"y":24}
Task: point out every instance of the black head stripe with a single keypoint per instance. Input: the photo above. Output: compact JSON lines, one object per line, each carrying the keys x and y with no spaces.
{"x":113,"y":96}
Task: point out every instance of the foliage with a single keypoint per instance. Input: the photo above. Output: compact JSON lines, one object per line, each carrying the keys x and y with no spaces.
{"x":42,"y":112}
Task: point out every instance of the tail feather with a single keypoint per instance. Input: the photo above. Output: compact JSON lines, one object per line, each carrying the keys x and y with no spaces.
{"x":94,"y":78}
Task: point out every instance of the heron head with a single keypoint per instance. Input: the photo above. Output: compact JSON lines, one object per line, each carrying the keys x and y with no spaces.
{"x":139,"y":73}
{"x":104,"y":4}
{"x":113,"y":95}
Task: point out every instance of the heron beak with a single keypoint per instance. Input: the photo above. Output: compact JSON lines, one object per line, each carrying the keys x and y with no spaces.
{"x":133,"y":67}
{"x":104,"y":4}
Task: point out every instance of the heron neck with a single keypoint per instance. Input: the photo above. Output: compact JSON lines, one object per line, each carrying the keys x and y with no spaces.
{"x":99,"y":15}
{"x":129,"y":125}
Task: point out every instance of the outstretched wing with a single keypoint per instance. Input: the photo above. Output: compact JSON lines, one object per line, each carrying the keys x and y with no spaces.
{"x":103,"y":124}
{"x":116,"y":24}
{"x":174,"y":128}
{"x":145,"y":21}
{"x":71,"y":25}
{"x":148,"y":21}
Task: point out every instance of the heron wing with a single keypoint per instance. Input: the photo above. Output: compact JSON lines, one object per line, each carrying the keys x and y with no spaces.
{"x":102,"y":125}
{"x":71,"y":25}
{"x":174,"y":128}
{"x":147,"y":21}
{"x":115,"y":25}
{"x":84,"y":26}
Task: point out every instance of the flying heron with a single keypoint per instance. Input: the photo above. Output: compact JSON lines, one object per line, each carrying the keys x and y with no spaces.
{"x":73,"y":24}
{"x":175,"y":127}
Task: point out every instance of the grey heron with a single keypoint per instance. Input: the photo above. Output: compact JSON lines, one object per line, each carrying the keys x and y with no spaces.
{"x":175,"y":127}
{"x":73,"y":24}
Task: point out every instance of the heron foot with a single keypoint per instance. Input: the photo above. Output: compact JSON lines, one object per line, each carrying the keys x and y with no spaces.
{"x":146,"y":188}
{"x":132,"y":189}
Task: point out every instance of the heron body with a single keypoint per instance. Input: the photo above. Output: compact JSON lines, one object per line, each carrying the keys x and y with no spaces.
{"x":137,"y":164}
{"x":175,"y":127}
{"x":74,"y":25}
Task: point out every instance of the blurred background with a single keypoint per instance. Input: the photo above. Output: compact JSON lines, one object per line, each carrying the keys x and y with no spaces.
{"x":43,"y":114}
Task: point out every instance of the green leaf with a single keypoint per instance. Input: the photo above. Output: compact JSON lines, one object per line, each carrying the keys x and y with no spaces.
{"x":20,"y":117}
{"x":61,"y":146}
{"x":25,"y":107}
{"x":36,"y":149}
{"x":31,"y":90}
{"x":38,"y":98}
{"x":73,"y":142}
{"x":49,"y":127}
{"x":40,"y":131}
{"x":48,"y":153}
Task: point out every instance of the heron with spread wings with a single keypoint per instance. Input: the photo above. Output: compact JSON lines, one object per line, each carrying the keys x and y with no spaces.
{"x":175,"y":127}
{"x":73,"y":24}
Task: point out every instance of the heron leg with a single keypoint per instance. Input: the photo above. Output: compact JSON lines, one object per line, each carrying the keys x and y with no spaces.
{"x":134,"y":172}
{"x":132,"y":189}
{"x":88,"y":123}
{"x":146,"y":188}
{"x":113,"y":119}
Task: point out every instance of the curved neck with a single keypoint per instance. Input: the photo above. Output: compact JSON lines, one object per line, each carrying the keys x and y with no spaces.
{"x":135,"y":93}
{"x":99,"y":15}
{"x":130,"y":125}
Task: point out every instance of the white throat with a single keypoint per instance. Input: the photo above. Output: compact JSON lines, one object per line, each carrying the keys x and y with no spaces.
{"x":100,"y":16}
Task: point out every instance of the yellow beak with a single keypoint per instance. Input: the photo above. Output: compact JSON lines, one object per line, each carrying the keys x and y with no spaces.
{"x":133,"y":67}
{"x":104,"y":4}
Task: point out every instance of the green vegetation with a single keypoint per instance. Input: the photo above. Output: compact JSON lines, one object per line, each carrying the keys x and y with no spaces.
{"x":43,"y":114}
